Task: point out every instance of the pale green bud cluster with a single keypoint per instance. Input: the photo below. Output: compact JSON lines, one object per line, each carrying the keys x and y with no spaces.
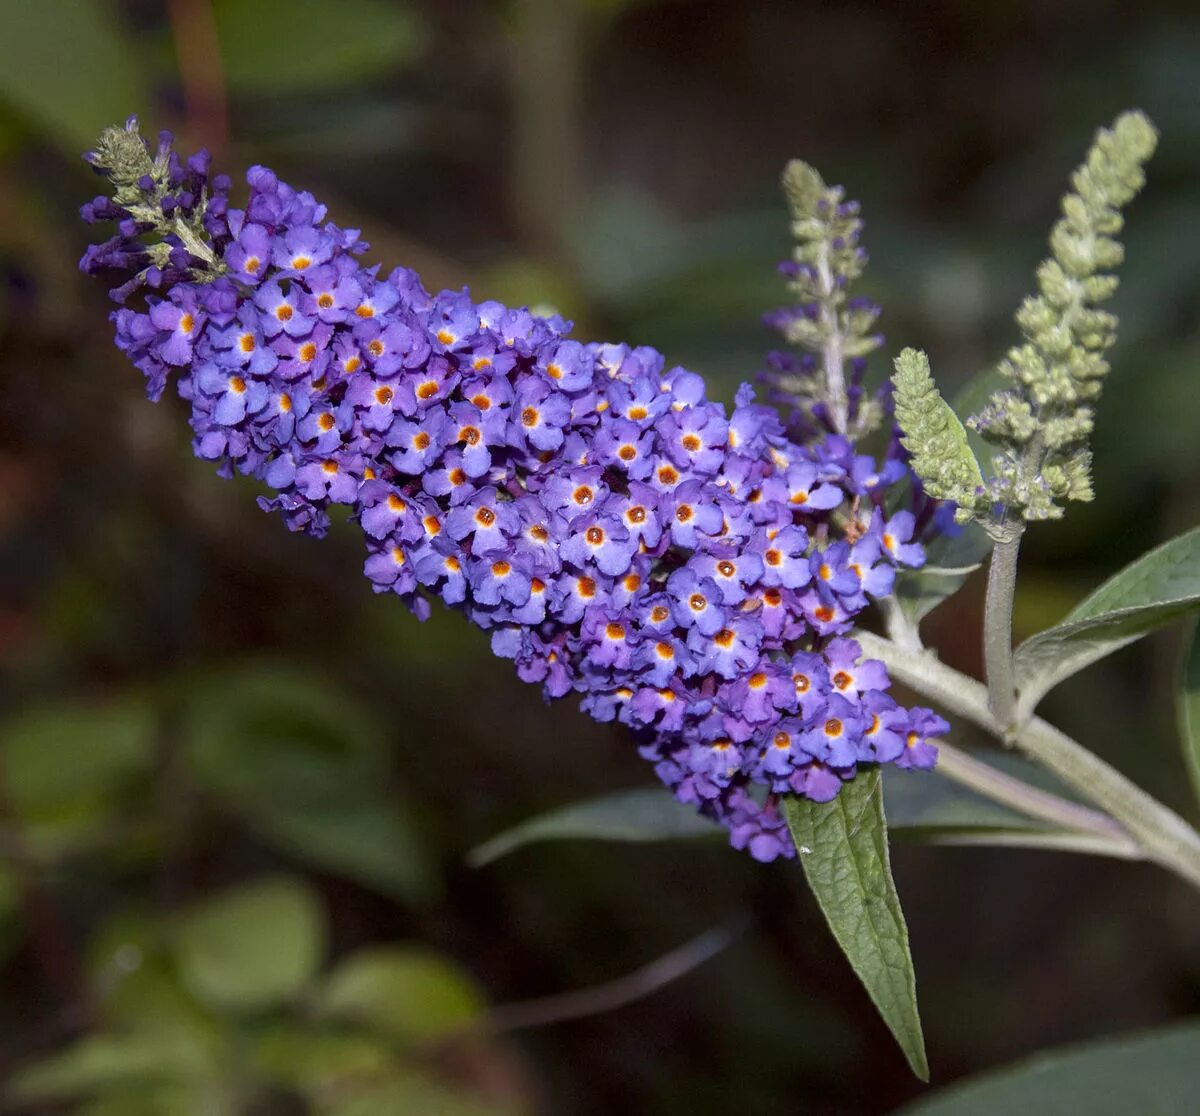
{"x":1042,"y":423}
{"x":935,"y":438}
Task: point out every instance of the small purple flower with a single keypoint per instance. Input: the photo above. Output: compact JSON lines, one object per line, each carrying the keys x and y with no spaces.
{"x":236,"y":397}
{"x":483,"y":519}
{"x":691,"y":512}
{"x":695,"y":602}
{"x":731,"y":571}
{"x":804,"y":490}
{"x":249,"y":255}
{"x":181,"y":320}
{"x":833,"y":739}
{"x":918,"y":751}
{"x":568,"y":367}
{"x":497,"y":577}
{"x":895,"y":536}
{"x":539,"y":414}
{"x":600,"y":539}
{"x":784,"y":559}
{"x":696,"y":438}
{"x":281,"y":312}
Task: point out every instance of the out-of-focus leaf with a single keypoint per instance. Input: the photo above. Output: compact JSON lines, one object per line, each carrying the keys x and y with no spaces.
{"x":408,"y":993}
{"x":102,"y":1062}
{"x":368,"y":840}
{"x":274,"y":46}
{"x":316,"y":1062}
{"x":949,"y":561}
{"x":1153,"y":1074}
{"x":411,"y":1093}
{"x":69,"y":69}
{"x":252,"y":948}
{"x":210,"y":1097}
{"x":642,"y":814}
{"x":131,"y":972}
{"x":1159,"y":588}
{"x":1189,"y":708}
{"x":843,"y":848}
{"x":306,"y":767}
{"x":260,"y":725}
{"x":65,"y":768}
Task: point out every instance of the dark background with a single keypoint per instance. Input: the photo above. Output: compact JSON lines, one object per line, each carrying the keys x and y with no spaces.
{"x":619,"y":161}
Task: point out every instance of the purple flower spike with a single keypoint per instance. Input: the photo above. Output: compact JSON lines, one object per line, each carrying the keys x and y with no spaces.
{"x":686,"y":569}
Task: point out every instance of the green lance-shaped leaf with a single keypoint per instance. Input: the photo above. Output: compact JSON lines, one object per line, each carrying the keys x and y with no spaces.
{"x":934,"y":436}
{"x":1152,"y":1074}
{"x":843,"y":847}
{"x":638,"y":815}
{"x":1159,"y":588}
{"x":1189,"y":708}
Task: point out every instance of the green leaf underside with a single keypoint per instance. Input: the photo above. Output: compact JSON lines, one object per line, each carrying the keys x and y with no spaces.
{"x":921,"y":802}
{"x":1152,"y":1074}
{"x":1189,"y":709}
{"x":1159,"y":588}
{"x":642,"y":814}
{"x":948,"y":564}
{"x":843,"y":847}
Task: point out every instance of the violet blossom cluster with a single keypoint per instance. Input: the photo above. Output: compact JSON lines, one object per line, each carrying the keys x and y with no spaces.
{"x":690,"y":572}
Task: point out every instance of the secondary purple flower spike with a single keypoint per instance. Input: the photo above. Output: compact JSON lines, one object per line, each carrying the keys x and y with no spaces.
{"x":622,"y":537}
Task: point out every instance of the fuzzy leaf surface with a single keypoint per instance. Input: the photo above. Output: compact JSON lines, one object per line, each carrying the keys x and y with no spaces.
{"x":843,"y":847}
{"x":1159,"y":588}
{"x":1152,"y":1074}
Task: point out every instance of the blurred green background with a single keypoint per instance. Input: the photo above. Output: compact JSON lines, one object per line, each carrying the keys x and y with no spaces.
{"x":237,"y":790}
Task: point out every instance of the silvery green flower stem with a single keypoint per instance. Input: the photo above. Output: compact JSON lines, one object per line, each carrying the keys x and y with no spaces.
{"x":1162,"y":835}
{"x":997,"y":625}
{"x":835,"y":378}
{"x":1101,"y":834}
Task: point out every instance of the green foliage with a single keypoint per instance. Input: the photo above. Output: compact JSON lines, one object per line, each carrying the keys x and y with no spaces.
{"x":1043,"y":422}
{"x":1152,"y":1074}
{"x":70,"y":769}
{"x":97,"y":74}
{"x":843,"y":848}
{"x":224,"y":1006}
{"x":643,"y":814}
{"x":935,"y":438}
{"x":1188,"y":705}
{"x":326,"y":45}
{"x":1158,"y":589}
{"x":253,"y":948}
{"x":113,"y":1064}
{"x":410,"y":994}
{"x":305,"y":766}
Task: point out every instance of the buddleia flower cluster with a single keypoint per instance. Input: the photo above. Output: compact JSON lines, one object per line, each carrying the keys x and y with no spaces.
{"x":689,"y":572}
